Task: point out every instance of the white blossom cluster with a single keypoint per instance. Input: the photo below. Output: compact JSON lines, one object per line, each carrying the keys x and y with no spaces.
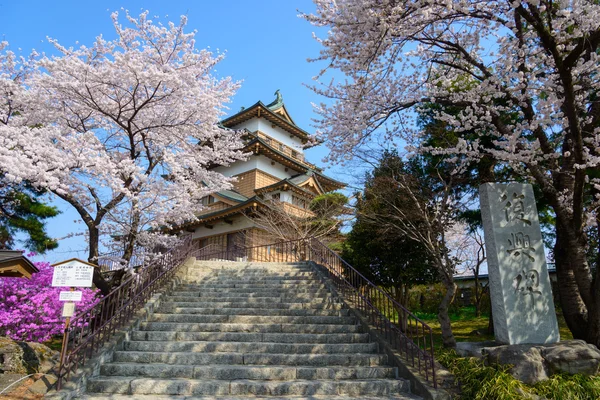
{"x":124,"y":130}
{"x":523,"y":75}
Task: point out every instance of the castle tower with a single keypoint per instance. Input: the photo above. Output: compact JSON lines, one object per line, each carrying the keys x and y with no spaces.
{"x":276,"y":170}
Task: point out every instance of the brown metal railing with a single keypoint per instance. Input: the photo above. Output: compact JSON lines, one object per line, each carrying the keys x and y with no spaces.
{"x":403,"y":330}
{"x":114,"y":261}
{"x":289,"y":251}
{"x":91,"y":327}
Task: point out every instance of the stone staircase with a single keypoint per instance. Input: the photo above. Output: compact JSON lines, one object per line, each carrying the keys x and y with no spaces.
{"x":249,"y":331}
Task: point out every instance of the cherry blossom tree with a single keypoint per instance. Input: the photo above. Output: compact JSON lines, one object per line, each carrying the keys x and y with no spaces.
{"x":523,"y":75}
{"x":125,"y":128}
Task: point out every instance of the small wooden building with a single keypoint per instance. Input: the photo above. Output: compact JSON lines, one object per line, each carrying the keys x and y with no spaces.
{"x":13,"y":264}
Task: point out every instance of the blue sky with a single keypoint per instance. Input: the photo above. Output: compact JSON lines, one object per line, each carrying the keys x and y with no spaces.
{"x":266,"y":44}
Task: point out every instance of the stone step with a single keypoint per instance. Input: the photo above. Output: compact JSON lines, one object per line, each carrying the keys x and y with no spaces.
{"x":248,"y":331}
{"x":269,"y":292}
{"x":252,"y":319}
{"x":92,"y":396}
{"x":256,"y":285}
{"x":228,"y":283}
{"x":249,"y":327}
{"x":229,"y":372}
{"x":251,"y":347}
{"x":251,"y":337}
{"x":274,"y":268}
{"x":273,"y":280}
{"x":269,"y":273}
{"x":264,"y":301}
{"x":168,"y":308}
{"x":187,"y":358}
{"x":268,"y":297}
{"x":181,"y":386}
{"x":197,"y":303}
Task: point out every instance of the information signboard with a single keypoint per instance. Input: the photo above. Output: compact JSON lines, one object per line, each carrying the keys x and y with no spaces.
{"x":73,"y":273}
{"x":70,"y":296}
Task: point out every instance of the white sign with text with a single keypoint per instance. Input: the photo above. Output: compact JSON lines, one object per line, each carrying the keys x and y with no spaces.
{"x":73,"y":274}
{"x":70,"y":296}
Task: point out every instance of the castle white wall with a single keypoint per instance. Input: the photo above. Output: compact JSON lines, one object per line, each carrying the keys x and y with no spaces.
{"x":220,"y":228}
{"x":239,"y":167}
{"x":251,"y":125}
{"x":260,"y":162}
{"x":280,"y":135}
{"x":279,"y":171}
{"x":286,"y":196}
{"x":266,"y":127}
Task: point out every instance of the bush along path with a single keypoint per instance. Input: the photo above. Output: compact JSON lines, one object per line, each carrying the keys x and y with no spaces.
{"x":478,"y":381}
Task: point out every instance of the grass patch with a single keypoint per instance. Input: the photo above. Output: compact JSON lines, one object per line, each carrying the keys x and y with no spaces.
{"x":469,"y":328}
{"x":55,"y":343}
{"x":571,"y":387}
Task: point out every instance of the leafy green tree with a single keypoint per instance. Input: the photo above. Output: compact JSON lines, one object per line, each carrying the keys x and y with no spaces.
{"x":413,"y":202}
{"x":22,"y":211}
{"x":394,"y":263}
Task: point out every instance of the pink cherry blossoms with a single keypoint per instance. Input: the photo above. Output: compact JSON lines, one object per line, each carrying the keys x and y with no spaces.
{"x":30,"y":309}
{"x":515,"y":82}
{"x":123,"y":130}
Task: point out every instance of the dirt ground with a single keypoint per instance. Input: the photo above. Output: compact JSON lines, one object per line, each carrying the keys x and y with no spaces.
{"x":19,"y":391}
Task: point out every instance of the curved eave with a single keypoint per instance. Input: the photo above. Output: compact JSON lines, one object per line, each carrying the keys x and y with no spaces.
{"x":259,"y":146}
{"x":13,"y":264}
{"x":227,"y":197}
{"x":212,"y":217}
{"x":328,"y":184}
{"x":258,"y":110}
{"x":286,"y":185}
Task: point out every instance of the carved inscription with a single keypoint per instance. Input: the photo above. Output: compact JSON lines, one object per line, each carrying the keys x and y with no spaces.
{"x":520,"y":245}
{"x":514,"y":207}
{"x":527,"y":281}
{"x":520,"y":288}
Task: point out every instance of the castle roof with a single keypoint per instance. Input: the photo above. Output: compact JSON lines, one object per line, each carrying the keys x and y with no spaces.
{"x":275,"y":112}
{"x":259,"y":146}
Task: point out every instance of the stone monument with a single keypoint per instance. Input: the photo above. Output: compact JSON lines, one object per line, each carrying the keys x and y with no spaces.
{"x":520,"y":289}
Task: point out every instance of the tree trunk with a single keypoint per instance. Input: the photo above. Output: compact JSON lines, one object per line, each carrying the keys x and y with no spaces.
{"x":97,"y":278}
{"x":567,"y":254}
{"x":593,"y":328}
{"x":490,"y":328}
{"x":448,"y":339}
{"x":94,"y":238}
{"x":401,"y":296}
{"x":131,"y":237}
{"x":478,"y":294}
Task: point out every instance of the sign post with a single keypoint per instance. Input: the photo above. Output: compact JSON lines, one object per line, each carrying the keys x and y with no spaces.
{"x":71,"y":273}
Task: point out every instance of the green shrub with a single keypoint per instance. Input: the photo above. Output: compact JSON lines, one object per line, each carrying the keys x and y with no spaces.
{"x":427,"y":298}
{"x":571,"y":387}
{"x":480,"y":382}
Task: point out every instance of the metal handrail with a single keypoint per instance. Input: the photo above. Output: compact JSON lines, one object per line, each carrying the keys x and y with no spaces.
{"x":114,"y":261}
{"x":206,"y":249}
{"x":91,"y":327}
{"x":285,"y":251}
{"x":402,"y":329}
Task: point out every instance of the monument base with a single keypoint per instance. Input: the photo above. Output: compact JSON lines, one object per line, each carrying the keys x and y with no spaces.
{"x":533,"y":363}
